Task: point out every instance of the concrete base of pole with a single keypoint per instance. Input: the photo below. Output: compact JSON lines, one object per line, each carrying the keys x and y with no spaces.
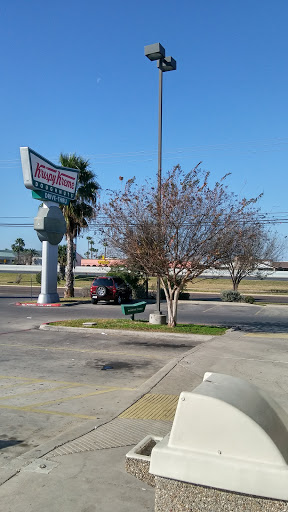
{"x":49,"y":293}
{"x":156,"y":319}
{"x":48,"y":298}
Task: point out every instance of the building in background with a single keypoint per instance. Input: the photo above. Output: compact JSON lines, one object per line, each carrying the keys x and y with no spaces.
{"x":7,"y":257}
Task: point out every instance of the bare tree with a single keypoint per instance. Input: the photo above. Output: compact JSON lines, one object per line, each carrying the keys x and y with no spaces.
{"x":176,"y":238}
{"x":27,"y":256}
{"x":248,"y":245}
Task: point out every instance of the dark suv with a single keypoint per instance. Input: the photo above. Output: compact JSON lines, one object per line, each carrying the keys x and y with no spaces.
{"x":110,"y":288}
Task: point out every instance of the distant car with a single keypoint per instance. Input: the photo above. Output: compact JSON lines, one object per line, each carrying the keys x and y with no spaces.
{"x":110,"y":288}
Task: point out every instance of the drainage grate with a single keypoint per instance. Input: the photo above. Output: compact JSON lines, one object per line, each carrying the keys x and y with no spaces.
{"x":119,"y":432}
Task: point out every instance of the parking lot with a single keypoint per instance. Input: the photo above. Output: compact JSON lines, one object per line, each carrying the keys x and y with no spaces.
{"x":52,"y":382}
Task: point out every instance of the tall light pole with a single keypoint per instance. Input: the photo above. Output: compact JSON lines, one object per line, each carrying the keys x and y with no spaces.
{"x":157,"y":52}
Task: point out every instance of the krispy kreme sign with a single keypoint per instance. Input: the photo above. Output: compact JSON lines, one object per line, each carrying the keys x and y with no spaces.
{"x":45,"y":178}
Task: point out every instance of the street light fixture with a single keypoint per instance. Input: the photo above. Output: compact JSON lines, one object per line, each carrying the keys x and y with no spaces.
{"x":154,"y":51}
{"x":157,"y":52}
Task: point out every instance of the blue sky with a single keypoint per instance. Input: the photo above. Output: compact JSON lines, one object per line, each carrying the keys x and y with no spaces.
{"x":75,"y":79}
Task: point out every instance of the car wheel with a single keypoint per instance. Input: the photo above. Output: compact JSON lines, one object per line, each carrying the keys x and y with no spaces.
{"x":101,"y":291}
{"x":94,"y":301}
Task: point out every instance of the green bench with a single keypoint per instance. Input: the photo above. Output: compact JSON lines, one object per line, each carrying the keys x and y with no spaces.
{"x":132,"y":309}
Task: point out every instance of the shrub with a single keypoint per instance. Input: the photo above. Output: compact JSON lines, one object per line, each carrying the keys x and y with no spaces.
{"x":231,"y":296}
{"x":85,"y":292}
{"x":249,"y":299}
{"x":139,"y":292}
{"x":184,"y":296}
{"x":38,"y":277}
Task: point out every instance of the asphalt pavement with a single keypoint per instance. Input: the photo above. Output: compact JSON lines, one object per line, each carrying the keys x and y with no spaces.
{"x":256,"y":317}
{"x":53,"y":381}
{"x":83,"y":471}
{"x":32,"y":292}
{"x":73,"y":457}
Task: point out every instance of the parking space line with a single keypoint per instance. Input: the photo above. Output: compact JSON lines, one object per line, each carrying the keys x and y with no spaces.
{"x":39,"y":411}
{"x":90,"y":351}
{"x":209,"y":309}
{"x":39,"y":391}
{"x":5,"y":386}
{"x":59,"y":382}
{"x":3,"y":377}
{"x":32,"y":381}
{"x":75,"y":397}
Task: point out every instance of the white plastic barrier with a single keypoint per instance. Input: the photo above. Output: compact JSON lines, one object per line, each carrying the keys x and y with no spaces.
{"x":227,"y":434}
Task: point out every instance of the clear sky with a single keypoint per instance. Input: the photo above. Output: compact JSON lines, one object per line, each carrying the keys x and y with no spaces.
{"x":74,"y":78}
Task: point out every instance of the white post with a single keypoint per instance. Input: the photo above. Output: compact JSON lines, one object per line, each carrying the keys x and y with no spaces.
{"x":49,"y":293}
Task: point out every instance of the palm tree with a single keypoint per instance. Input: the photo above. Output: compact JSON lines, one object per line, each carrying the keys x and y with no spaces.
{"x":79,"y":211}
{"x":18,"y":247}
{"x":62,"y":259}
{"x":91,"y":248}
{"x":89,"y":239}
{"x":94,"y":252}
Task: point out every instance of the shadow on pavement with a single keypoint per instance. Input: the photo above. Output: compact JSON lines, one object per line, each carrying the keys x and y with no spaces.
{"x":9,"y":442}
{"x":263,"y":327}
{"x":159,"y":345}
{"x":114,"y":364}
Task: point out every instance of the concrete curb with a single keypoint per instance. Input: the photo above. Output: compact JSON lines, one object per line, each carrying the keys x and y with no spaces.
{"x":15,"y":466}
{"x":152,"y":334}
{"x":190,"y":301}
{"x":54,"y":305}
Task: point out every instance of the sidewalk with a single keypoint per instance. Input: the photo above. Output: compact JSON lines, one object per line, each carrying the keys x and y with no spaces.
{"x":88,"y":474}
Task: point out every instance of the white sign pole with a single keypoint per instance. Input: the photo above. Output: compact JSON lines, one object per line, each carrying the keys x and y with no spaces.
{"x":49,"y":294}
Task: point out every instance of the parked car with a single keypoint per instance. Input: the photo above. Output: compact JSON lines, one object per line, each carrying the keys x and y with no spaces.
{"x":110,"y":288}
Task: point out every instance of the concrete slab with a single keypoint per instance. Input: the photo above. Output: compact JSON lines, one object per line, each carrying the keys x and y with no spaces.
{"x":86,"y":482}
{"x":96,"y":480}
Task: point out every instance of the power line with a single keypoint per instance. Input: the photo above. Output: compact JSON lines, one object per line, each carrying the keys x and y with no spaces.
{"x":274,"y":142}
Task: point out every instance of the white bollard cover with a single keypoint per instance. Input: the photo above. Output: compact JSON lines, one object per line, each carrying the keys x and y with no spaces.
{"x":227,"y":434}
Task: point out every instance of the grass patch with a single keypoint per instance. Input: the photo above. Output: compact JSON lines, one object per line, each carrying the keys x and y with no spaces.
{"x":142,"y":325}
{"x":247,"y":286}
{"x":13,"y":278}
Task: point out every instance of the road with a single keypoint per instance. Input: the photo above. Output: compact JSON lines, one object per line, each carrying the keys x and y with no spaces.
{"x":248,"y":317}
{"x":51,"y":382}
{"x":28,"y":293}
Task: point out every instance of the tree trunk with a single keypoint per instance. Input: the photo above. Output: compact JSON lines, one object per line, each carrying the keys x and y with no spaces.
{"x":172,"y":303}
{"x":171,"y":321}
{"x":146,"y":285}
{"x":62,"y":271}
{"x":69,"y":288}
{"x":235,"y":286}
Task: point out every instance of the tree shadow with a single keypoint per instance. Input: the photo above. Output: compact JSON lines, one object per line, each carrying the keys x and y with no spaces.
{"x":265,"y":327}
